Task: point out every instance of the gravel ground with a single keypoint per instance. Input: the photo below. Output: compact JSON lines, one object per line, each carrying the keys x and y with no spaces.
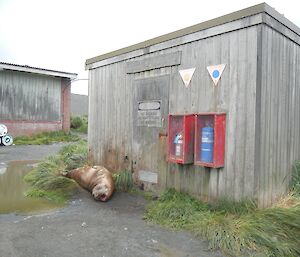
{"x":27,"y":152}
{"x":89,"y":228}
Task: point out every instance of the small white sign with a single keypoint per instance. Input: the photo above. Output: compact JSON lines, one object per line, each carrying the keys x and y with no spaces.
{"x":149,"y":114}
{"x":215,"y":72}
{"x":149,"y":105}
{"x":148,"y":176}
{"x":187,"y":75}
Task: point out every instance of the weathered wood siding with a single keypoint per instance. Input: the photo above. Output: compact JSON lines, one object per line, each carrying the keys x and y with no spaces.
{"x":279,"y":120}
{"x":110,"y":116}
{"x":258,"y":91}
{"x":235,"y":95}
{"x":110,"y":126}
{"x":24,"y":96}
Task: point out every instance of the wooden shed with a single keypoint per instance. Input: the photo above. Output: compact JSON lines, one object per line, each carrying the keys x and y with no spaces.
{"x":242,"y":70}
{"x":34,"y":100}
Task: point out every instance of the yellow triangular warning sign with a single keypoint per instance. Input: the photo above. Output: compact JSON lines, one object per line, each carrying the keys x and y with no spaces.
{"x":215,"y":72}
{"x":187,"y":75}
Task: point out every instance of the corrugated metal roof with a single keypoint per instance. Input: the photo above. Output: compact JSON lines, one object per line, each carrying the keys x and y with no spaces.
{"x":30,"y":69}
{"x":253,"y":10}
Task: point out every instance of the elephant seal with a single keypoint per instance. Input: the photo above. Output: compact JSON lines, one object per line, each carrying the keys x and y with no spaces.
{"x":96,"y":179}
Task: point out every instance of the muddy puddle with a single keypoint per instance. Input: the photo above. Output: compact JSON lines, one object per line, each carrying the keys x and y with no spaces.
{"x":13,"y":188}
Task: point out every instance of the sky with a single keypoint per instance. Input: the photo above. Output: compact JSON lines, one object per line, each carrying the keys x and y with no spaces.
{"x":62,"y":34}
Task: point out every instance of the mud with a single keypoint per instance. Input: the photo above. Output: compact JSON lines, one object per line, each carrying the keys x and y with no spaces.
{"x":86,"y":227}
{"x":13,"y":189}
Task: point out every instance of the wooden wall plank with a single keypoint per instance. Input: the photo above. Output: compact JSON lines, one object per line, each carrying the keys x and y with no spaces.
{"x":231,"y":116}
{"x":268,"y":142}
{"x":29,"y":97}
{"x":261,"y":57}
{"x":260,"y":147}
{"x":250,"y":115}
{"x":154,"y":62}
{"x":241,"y":105}
{"x":279,"y":118}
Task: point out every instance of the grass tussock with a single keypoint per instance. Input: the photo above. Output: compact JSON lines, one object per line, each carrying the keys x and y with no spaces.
{"x":123,"y":181}
{"x":295,"y":179}
{"x":174,"y":209}
{"x":45,"y":180}
{"x":79,"y":124}
{"x":74,"y":155}
{"x":238,"y":229}
{"x":46,"y":138}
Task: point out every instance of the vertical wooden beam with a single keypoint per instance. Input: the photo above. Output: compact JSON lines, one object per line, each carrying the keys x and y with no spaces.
{"x":65,"y":103}
{"x":257,"y":146}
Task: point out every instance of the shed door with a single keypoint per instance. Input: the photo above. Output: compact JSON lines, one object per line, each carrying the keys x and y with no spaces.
{"x":150,"y":112}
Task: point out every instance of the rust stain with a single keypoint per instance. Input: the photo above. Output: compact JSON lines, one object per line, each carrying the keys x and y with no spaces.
{"x":116,"y":159}
{"x":112,"y":159}
{"x":162,"y":134}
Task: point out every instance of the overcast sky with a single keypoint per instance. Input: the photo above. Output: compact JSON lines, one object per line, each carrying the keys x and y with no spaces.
{"x":62,"y":34}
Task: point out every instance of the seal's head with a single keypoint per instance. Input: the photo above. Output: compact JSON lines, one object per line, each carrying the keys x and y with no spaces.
{"x":101,"y":192}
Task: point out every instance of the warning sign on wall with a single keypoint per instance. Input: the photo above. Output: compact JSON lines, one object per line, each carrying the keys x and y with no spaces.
{"x":149,"y":114}
{"x":215,"y":72}
{"x":187,"y":75}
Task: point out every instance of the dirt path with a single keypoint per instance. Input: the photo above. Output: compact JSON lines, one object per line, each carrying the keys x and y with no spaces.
{"x":89,"y":228}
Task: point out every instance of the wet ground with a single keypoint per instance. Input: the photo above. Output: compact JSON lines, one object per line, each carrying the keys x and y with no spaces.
{"x":13,"y":189}
{"x":89,"y":228}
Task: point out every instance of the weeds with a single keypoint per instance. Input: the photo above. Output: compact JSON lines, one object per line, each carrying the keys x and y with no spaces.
{"x":123,"y":181}
{"x":79,"y":124}
{"x":174,"y":209}
{"x":148,"y":195}
{"x":237,"y":208}
{"x":45,"y":180}
{"x":295,"y":179}
{"x":74,"y":155}
{"x":46,"y":138}
{"x":238,"y":229}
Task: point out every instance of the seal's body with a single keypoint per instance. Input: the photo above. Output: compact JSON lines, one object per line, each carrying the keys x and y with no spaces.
{"x":97,"y":179}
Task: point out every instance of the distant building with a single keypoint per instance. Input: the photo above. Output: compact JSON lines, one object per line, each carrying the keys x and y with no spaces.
{"x":33,"y":99}
{"x":79,"y":105}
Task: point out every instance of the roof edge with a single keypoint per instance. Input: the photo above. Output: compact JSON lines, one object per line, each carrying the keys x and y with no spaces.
{"x":30,"y":69}
{"x":250,"y":11}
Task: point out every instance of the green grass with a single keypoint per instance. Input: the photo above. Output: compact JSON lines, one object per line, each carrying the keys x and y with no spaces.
{"x":238,"y":229}
{"x":79,"y":124}
{"x":174,"y":209}
{"x":45,"y":180}
{"x":148,"y":195}
{"x":74,"y":155}
{"x":123,"y":181}
{"x":295,"y":180}
{"x":57,"y":196}
{"x":46,"y":138}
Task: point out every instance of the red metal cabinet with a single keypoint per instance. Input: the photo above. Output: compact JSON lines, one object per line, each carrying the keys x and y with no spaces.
{"x":217,"y":121}
{"x":181,"y":130}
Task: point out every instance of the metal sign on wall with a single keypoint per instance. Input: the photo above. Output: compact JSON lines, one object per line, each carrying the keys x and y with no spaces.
{"x":187,"y":75}
{"x":215,"y":72}
{"x":149,"y":114}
